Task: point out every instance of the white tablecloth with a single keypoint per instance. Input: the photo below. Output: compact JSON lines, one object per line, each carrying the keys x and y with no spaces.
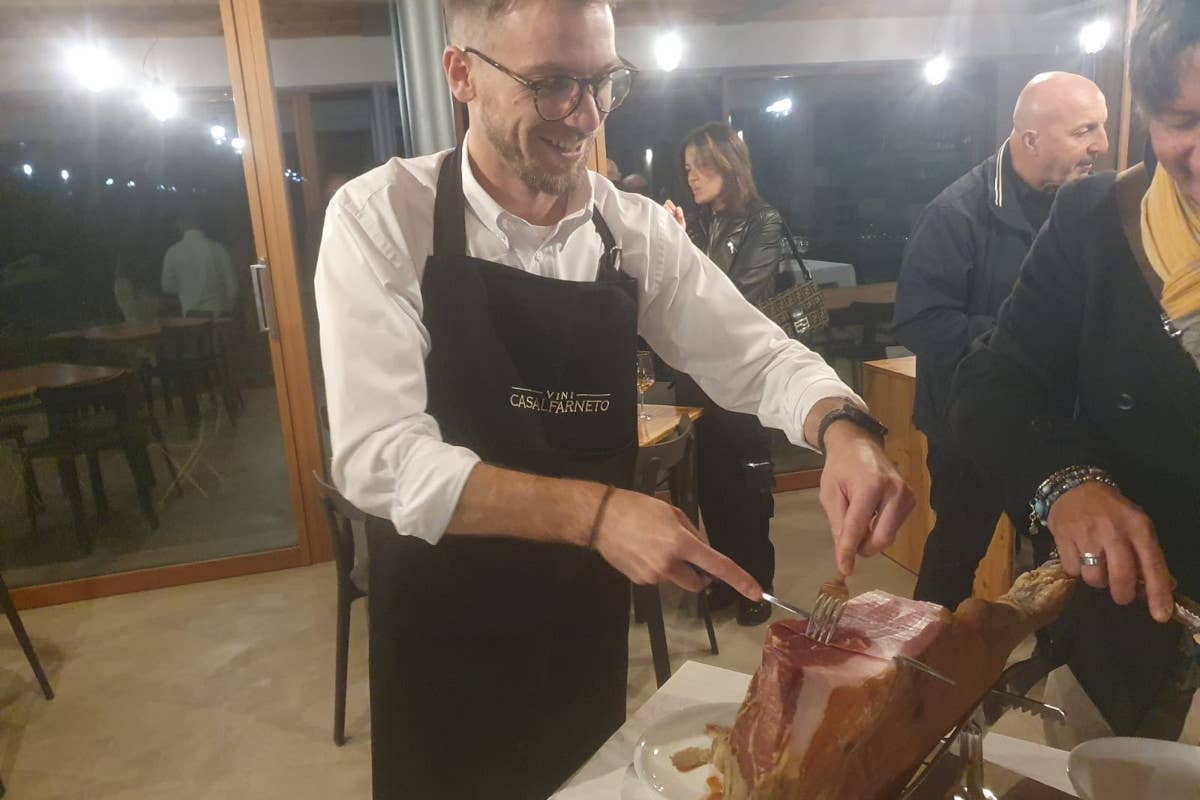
{"x":609,"y":774}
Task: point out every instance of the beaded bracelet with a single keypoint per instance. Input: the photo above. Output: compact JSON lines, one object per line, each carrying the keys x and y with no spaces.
{"x":1056,"y":486}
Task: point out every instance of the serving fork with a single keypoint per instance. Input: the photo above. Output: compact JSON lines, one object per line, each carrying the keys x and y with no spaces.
{"x":827,"y":613}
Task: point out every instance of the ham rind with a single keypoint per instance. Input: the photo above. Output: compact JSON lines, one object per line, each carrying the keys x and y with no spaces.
{"x":844,"y":721}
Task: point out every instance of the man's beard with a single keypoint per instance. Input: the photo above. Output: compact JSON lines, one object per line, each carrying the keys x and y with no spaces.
{"x":532,"y":174}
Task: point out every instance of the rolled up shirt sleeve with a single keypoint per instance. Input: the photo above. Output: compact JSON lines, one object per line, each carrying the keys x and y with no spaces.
{"x":697,"y":320}
{"x":388,"y":457}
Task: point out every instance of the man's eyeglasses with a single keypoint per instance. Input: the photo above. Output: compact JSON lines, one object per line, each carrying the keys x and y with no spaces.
{"x":558,"y":96}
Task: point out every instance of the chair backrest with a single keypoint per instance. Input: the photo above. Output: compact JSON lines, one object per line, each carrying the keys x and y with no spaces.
{"x":117,"y":399}
{"x":187,"y":343}
{"x":674,"y":459}
{"x":341,"y":515}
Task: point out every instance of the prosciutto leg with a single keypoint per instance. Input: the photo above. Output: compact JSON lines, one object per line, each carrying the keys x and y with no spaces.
{"x":844,"y":721}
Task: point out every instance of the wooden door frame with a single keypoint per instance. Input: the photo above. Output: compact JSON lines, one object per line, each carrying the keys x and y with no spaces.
{"x":258,"y":123}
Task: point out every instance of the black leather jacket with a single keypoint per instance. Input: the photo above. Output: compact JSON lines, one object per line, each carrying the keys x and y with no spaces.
{"x":748,"y":249}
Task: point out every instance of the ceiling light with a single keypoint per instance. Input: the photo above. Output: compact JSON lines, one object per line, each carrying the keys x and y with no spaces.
{"x":65,"y":175}
{"x":217,"y":132}
{"x":162,"y":102}
{"x":108,"y":182}
{"x":668,"y":50}
{"x":1095,"y":35}
{"x":238,"y":144}
{"x":130,"y":184}
{"x":781,"y":107}
{"x":937,"y":70}
{"x":649,"y":157}
{"x":27,"y":169}
{"x":93,"y":67}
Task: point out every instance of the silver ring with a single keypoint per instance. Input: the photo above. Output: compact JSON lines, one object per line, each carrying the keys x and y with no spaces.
{"x":1089,"y":559}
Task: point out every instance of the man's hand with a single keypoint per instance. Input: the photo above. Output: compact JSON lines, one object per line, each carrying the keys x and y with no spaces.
{"x":650,"y":541}
{"x":865,"y":498}
{"x":676,"y":213}
{"x":1096,"y":518}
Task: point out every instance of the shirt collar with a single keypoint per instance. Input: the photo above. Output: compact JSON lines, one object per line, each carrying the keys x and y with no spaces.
{"x":496,"y":219}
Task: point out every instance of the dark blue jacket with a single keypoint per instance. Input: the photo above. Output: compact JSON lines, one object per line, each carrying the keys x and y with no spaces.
{"x":959,"y":266}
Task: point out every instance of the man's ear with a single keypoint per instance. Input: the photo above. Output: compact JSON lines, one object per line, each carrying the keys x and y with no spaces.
{"x":457,"y":65}
{"x":1029,"y":140}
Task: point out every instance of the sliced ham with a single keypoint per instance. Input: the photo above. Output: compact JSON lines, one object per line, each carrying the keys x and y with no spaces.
{"x":843,"y":721}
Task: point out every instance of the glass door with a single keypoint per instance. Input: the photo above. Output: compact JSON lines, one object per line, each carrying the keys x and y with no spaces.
{"x":134,"y":196}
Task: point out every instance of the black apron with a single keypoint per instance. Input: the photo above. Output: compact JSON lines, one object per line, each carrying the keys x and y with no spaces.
{"x":498,"y":666}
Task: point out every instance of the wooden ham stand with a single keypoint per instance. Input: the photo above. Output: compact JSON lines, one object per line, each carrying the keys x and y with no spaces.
{"x":889,"y":387}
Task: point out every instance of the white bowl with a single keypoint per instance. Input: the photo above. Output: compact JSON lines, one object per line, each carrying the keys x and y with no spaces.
{"x":1126,"y":768}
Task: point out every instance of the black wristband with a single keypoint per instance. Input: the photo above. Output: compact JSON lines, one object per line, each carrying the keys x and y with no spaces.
{"x":852,"y":414}
{"x":608,"y":493}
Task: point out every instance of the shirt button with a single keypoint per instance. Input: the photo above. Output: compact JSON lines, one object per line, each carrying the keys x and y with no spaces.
{"x":1125,"y":402}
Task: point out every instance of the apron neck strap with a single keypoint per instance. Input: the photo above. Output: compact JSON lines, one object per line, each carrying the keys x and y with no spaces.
{"x":450,"y":218}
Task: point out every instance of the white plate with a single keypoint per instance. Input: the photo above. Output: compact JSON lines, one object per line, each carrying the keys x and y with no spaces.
{"x":1126,"y":768}
{"x":669,"y":735}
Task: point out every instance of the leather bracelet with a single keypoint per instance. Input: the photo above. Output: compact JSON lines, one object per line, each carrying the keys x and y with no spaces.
{"x":1056,"y":486}
{"x":608,"y":493}
{"x":854,"y":415}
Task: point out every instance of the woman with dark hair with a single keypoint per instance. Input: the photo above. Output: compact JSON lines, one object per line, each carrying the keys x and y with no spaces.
{"x":727,"y":219}
{"x":1084,"y":400}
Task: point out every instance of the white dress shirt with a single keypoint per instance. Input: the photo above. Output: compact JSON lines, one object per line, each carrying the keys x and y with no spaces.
{"x":200,"y":271}
{"x":388,"y":455}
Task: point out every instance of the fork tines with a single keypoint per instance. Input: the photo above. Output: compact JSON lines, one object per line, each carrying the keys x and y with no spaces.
{"x":827,"y":613}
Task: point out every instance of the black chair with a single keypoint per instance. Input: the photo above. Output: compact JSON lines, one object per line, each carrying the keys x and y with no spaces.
{"x":670,"y":462}
{"x":186,"y":363}
{"x":14,"y":619}
{"x":231,"y":389}
{"x":341,"y":516}
{"x":14,"y":431}
{"x":86,"y":420}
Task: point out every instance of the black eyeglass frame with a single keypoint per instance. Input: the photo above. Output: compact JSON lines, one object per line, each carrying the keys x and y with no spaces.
{"x":536,"y":86}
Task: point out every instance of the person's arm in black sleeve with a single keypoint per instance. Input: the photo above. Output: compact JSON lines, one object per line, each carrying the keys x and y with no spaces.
{"x":754,"y":268}
{"x":1014,"y":396}
{"x":1013,"y":407}
{"x":931,"y":316}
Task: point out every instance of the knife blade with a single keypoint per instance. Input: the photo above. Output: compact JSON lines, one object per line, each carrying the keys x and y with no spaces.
{"x":791,"y":609}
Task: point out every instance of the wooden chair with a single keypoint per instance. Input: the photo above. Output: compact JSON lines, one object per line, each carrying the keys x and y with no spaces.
{"x":14,"y":431}
{"x":86,"y":420}
{"x":341,"y":516}
{"x":230,"y":389}
{"x":671,"y":462}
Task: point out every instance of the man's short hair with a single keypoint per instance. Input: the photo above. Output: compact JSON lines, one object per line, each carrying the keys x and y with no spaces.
{"x":1166,"y":30}
{"x":483,"y":10}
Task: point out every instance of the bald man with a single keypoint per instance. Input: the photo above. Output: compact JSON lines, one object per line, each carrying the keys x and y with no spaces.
{"x":959,"y":267}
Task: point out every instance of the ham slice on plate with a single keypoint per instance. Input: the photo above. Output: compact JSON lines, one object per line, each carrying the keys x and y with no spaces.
{"x":843,"y":721}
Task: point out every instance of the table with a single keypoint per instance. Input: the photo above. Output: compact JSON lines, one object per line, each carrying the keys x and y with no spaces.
{"x":132,"y":332}
{"x":25,"y":381}
{"x":609,"y":774}
{"x":830,"y":273}
{"x":889,"y":387}
{"x":874,"y":294}
{"x":662,"y":422}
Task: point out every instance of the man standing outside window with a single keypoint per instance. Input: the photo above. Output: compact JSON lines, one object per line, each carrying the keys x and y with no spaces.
{"x":479,"y":319}
{"x":959,"y":267}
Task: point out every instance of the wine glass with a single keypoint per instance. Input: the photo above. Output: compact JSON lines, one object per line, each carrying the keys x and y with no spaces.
{"x":645,"y":379}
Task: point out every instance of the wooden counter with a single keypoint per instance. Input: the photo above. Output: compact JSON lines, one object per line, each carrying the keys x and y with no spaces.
{"x":889,"y":387}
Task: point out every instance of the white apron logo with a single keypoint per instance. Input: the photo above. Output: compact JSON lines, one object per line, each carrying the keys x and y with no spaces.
{"x":559,"y":402}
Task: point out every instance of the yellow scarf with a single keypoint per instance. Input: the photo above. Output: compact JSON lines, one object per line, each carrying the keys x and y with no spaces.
{"x":1171,"y":235}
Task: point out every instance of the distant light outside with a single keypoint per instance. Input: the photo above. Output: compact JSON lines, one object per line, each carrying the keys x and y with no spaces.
{"x":131,"y":184}
{"x":108,"y":182}
{"x":937,"y":70}
{"x":161,"y":102}
{"x":740,"y":136}
{"x":649,"y":157}
{"x":781,"y":107}
{"x":668,"y":50}
{"x":94,"y":69}
{"x":218,"y":133}
{"x":238,"y":144}
{"x":27,"y":169}
{"x":1095,"y":35}
{"x":65,"y":175}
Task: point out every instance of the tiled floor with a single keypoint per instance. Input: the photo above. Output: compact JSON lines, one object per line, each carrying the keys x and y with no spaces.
{"x":224,"y":690}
